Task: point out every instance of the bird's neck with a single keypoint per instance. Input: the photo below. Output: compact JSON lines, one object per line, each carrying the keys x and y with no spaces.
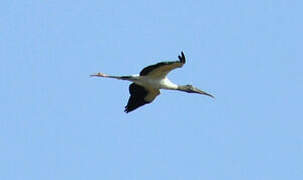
{"x":167,"y":84}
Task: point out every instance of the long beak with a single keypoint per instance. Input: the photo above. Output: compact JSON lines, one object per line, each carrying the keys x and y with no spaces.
{"x":196,"y":90}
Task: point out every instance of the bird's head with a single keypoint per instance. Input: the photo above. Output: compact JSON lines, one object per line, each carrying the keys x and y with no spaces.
{"x":192,"y":89}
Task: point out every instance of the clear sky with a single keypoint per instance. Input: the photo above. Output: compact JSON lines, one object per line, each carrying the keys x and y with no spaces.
{"x":57,"y":123}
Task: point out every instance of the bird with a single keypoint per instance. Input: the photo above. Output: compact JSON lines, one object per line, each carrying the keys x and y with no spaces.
{"x":146,"y":86}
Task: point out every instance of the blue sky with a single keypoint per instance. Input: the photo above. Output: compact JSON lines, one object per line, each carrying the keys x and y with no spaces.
{"x":57,"y":123}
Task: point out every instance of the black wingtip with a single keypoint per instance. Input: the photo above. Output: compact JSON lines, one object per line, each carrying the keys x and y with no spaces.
{"x":127,"y":110}
{"x":182,"y":57}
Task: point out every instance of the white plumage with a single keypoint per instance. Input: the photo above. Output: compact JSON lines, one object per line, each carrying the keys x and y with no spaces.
{"x":146,"y":86}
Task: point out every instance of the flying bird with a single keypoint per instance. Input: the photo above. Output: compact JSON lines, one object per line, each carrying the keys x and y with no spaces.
{"x":146,"y":86}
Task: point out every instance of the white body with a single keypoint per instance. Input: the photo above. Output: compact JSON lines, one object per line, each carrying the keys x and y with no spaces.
{"x":145,"y":87}
{"x":154,"y":82}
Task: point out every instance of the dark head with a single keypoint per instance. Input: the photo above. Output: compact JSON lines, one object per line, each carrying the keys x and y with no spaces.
{"x":192,"y":89}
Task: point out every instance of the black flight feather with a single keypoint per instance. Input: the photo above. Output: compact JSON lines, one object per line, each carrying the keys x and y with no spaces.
{"x":148,"y":69}
{"x":136,"y":99}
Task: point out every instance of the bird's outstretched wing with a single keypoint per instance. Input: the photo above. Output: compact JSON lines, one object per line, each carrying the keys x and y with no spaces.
{"x":139,"y":96}
{"x":163,"y":68}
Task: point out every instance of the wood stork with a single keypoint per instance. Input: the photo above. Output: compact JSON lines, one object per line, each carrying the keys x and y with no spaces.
{"x":146,"y":86}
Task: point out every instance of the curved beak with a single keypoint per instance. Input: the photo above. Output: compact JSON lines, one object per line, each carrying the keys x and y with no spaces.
{"x":196,"y":90}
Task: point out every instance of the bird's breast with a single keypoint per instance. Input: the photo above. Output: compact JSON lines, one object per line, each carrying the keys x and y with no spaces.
{"x":167,"y":84}
{"x":149,"y":82}
{"x":156,"y":83}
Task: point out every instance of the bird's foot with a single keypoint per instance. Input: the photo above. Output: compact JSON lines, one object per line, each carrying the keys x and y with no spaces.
{"x":98,"y":75}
